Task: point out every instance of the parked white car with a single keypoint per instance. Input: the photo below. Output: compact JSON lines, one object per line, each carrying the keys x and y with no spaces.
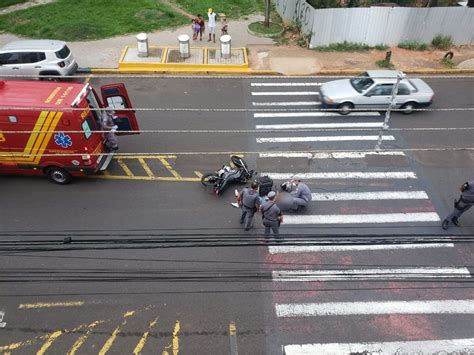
{"x":37,"y":57}
{"x":373,"y":90}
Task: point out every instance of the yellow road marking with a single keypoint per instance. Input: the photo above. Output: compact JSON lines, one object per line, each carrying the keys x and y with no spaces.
{"x":198,"y":174}
{"x":106,"y":172}
{"x":51,"y":338}
{"x":233,"y":338}
{"x":146,"y":167}
{"x":147,"y":178}
{"x":124,"y":167}
{"x":167,"y":165}
{"x":83,"y":337}
{"x":144,"y":337}
{"x":145,"y":157}
{"x":50,"y":305}
{"x":176,"y":338}
{"x":232,"y":328}
{"x":108,"y":344}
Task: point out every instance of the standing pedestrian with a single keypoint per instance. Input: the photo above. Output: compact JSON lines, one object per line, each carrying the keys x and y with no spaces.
{"x":196,"y":28}
{"x":211,"y":23}
{"x":249,"y":201}
{"x":109,"y":125}
{"x":271,"y":216}
{"x":224,"y":27}
{"x":465,"y":202}
{"x":201,"y":23}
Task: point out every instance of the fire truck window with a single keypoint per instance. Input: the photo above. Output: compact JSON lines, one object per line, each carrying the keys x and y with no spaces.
{"x":86,"y":127}
{"x":116,"y":102}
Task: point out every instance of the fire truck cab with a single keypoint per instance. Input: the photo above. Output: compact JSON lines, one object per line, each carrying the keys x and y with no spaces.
{"x":54,"y":128}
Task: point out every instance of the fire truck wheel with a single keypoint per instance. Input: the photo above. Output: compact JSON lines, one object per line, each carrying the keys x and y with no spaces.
{"x":58,"y":175}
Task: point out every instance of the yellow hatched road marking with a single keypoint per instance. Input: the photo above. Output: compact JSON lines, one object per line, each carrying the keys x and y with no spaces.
{"x":51,"y":338}
{"x":108,"y":344}
{"x":146,"y":178}
{"x":83,"y":337}
{"x":50,"y":305}
{"x":145,"y":157}
{"x":198,"y":174}
{"x":175,"y":341}
{"x":167,"y":165}
{"x":138,"y":349}
{"x":146,"y":167}
{"x":124,"y":167}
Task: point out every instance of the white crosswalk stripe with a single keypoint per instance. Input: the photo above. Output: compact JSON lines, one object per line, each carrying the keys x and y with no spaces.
{"x":311,"y":114}
{"x":343,"y":175}
{"x":375,"y":218}
{"x":321,"y":125}
{"x":285,"y":84}
{"x":330,"y":155}
{"x":364,"y":196}
{"x":285,"y":93}
{"x":322,"y":139}
{"x":290,"y":103}
{"x":299,"y":249}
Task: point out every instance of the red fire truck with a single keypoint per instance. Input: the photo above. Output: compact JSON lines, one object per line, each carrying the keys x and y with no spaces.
{"x":42,"y":122}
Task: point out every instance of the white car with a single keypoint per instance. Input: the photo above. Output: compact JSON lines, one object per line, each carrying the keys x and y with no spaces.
{"x":37,"y":57}
{"x":373,"y":90}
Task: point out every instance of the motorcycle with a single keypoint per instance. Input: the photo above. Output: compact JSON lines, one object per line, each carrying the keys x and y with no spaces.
{"x":226,"y":175}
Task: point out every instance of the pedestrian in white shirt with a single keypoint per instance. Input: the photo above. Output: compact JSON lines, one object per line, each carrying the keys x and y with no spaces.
{"x":211,"y":15}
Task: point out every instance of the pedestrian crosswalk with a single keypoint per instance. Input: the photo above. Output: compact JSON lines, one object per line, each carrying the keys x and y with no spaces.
{"x":363,"y":298}
{"x":295,"y":129}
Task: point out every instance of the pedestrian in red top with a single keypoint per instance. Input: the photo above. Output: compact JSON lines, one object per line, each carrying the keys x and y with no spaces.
{"x":201,"y":22}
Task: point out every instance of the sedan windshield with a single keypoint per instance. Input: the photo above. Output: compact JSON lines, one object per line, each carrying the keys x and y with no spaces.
{"x":361,"y":83}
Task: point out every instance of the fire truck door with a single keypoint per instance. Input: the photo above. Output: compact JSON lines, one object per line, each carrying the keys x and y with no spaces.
{"x":116,"y":97}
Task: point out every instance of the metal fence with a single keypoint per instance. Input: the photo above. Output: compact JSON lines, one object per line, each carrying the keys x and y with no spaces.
{"x":379,"y":25}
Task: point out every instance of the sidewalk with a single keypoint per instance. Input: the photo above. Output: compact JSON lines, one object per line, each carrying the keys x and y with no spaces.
{"x":264,"y":55}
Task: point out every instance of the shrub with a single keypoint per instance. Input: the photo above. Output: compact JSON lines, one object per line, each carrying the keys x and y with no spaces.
{"x":348,"y":47}
{"x":384,"y":64}
{"x":413,"y":45}
{"x":442,"y":42}
{"x":448,"y":63}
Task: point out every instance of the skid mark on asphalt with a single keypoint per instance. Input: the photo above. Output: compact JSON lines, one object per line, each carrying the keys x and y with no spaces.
{"x":143,"y":167}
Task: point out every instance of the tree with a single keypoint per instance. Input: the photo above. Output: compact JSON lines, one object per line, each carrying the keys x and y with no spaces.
{"x":267,"y":13}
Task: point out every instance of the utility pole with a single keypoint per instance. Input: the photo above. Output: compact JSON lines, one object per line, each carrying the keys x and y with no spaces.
{"x":267,"y":13}
{"x":385,"y":126}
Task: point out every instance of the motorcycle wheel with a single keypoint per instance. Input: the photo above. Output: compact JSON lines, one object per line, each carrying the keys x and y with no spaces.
{"x":209,"y":179}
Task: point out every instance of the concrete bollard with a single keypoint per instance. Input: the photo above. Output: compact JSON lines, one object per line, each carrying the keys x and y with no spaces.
{"x":142,"y":44}
{"x":184,"y":50}
{"x":226,"y":47}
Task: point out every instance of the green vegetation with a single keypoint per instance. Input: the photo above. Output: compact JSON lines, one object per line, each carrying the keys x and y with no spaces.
{"x":231,"y":8}
{"x":349,"y":47}
{"x":414,"y":45}
{"x":92,"y":19}
{"x":448,"y":63}
{"x":442,"y":42}
{"x":6,"y":3}
{"x":259,"y":27}
{"x":384,"y":64}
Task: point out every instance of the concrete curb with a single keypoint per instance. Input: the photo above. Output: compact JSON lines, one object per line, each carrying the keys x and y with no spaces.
{"x":258,"y":34}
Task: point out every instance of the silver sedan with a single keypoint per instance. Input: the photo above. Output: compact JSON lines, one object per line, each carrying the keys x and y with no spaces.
{"x":373,"y":90}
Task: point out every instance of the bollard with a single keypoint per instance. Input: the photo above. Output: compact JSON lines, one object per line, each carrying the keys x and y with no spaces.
{"x":142,"y":40}
{"x":226,"y":49}
{"x":388,"y":56}
{"x":184,"y":50}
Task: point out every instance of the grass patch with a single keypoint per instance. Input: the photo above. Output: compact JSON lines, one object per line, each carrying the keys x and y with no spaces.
{"x":272,"y":30}
{"x":231,"y":8}
{"x":384,"y":64}
{"x":413,"y":45}
{"x":448,"y":63}
{"x":6,"y":3}
{"x":349,"y":47}
{"x":95,"y":19}
{"x":442,"y":42}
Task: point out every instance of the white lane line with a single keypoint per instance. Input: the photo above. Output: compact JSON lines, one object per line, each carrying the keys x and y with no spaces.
{"x":323,"y":139}
{"x":365,"y":308}
{"x":373,"y":195}
{"x":321,"y":125}
{"x":362,"y":218}
{"x":329,"y":155}
{"x":447,"y":346}
{"x":290,"y":249}
{"x":290,"y":103}
{"x":285,"y":84}
{"x":370,"y":274}
{"x":344,"y":175}
{"x":285,"y":93}
{"x":310,"y":114}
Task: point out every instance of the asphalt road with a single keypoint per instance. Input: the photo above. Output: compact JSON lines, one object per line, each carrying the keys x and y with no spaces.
{"x":159,"y":264}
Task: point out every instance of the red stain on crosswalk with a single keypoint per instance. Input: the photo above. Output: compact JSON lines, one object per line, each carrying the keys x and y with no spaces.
{"x":411,"y":327}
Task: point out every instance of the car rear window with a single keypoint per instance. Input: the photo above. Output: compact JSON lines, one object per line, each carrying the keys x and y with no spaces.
{"x":63,"y":53}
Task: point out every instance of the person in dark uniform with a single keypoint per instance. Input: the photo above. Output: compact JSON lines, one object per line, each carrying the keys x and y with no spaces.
{"x":465,"y":202}
{"x":249,"y":201}
{"x":271,"y":215}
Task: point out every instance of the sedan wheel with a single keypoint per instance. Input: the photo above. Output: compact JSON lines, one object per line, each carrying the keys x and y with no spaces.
{"x":345,"y":108}
{"x":408,"y":108}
